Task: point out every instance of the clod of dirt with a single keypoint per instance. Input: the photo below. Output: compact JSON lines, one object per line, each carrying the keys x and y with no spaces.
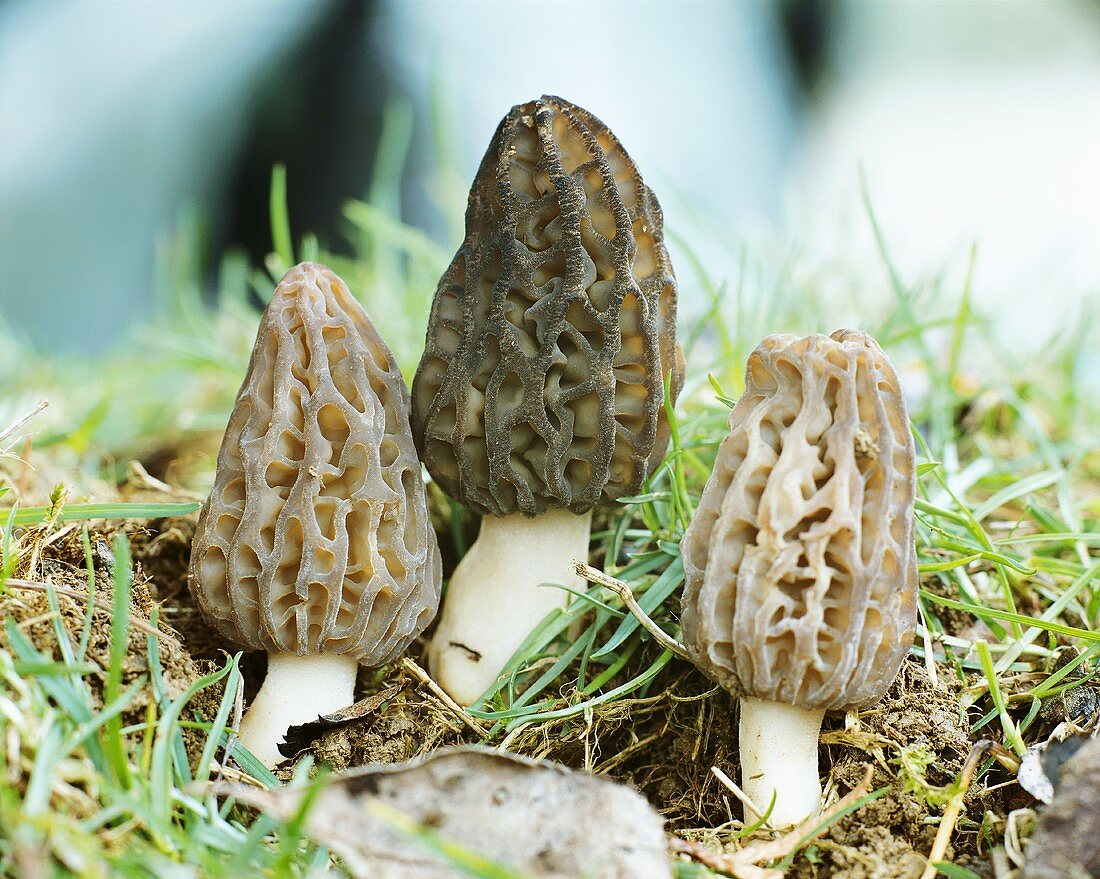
{"x":300,"y":736}
{"x":918,"y":711}
{"x":1066,"y":842}
{"x":541,"y":820}
{"x":867,"y":846}
{"x":388,"y":738}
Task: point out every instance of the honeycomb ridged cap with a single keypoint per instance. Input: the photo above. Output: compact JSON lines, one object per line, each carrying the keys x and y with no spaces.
{"x":801,"y":573}
{"x":553,"y":328}
{"x":316,"y":536}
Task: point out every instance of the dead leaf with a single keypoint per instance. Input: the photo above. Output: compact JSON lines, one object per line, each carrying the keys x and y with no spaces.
{"x":301,"y":736}
{"x":1041,"y":767}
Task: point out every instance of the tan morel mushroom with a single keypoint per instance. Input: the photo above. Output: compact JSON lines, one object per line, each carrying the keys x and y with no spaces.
{"x":801,"y":571}
{"x":315,"y":544}
{"x":540,"y":389}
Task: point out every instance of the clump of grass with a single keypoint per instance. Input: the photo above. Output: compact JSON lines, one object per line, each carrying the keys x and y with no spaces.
{"x":87,"y":793}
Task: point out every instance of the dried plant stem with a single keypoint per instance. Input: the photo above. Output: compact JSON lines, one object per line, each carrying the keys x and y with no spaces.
{"x":594,"y":575}
{"x":730,"y":785}
{"x":450,"y":704}
{"x":744,"y":864}
{"x":22,"y":421}
{"x":954,"y":808}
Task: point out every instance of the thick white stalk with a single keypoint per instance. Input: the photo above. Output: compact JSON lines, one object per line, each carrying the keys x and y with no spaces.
{"x":779,"y":754}
{"x":297,"y":689}
{"x":494,"y":600}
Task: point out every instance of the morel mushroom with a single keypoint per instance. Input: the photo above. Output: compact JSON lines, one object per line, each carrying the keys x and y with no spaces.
{"x":315,"y":544}
{"x":801,"y":573}
{"x":541,"y":386}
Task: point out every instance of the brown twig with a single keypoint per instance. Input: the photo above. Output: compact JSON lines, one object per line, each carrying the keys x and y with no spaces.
{"x":954,"y":808}
{"x":594,"y":575}
{"x":457,"y":710}
{"x":745,"y":863}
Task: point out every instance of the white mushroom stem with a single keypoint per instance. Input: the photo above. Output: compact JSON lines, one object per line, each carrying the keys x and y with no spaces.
{"x":778,"y":745}
{"x":494,"y":599}
{"x":297,"y":689}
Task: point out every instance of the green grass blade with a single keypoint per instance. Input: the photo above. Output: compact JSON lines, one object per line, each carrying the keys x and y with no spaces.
{"x":81,"y":512}
{"x":281,"y":242}
{"x":113,"y":745}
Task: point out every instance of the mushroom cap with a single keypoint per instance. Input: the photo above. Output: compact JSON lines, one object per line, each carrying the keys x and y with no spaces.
{"x":801,"y":573}
{"x":542,"y":379}
{"x":316,"y":536}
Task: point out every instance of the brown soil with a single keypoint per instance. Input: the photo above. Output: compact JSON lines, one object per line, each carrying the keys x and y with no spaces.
{"x":888,"y":838}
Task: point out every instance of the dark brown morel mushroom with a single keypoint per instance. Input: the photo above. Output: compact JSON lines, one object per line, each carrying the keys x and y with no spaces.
{"x":801,"y":571}
{"x":541,"y":386}
{"x":315,"y":544}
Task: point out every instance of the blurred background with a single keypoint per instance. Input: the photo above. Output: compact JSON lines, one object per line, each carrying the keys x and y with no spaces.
{"x":765,"y":129}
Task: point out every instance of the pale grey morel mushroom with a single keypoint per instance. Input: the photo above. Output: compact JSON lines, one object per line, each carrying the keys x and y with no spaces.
{"x":535,"y":819}
{"x":801,"y":570}
{"x":541,"y":386}
{"x":315,"y":543}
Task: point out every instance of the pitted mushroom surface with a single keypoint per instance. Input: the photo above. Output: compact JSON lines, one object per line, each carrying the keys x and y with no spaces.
{"x":552,"y":330}
{"x":315,"y":542}
{"x":541,"y":387}
{"x":801,"y":575}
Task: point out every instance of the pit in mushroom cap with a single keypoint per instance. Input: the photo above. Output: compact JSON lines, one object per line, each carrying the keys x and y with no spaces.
{"x":541,"y":386}
{"x":316,"y":539}
{"x":800,"y":566}
{"x":552,"y":330}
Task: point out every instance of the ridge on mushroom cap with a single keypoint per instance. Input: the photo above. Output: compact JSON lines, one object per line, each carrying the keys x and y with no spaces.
{"x":801,"y":572}
{"x":316,"y":536}
{"x":552,"y":329}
